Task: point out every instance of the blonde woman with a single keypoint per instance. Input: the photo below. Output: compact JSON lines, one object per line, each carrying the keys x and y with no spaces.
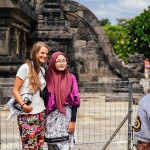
{"x":30,"y":79}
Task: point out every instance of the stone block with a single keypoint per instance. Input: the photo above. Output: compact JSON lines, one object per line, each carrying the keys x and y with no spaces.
{"x":80,"y":13}
{"x":73,"y":30}
{"x":116,"y":98}
{"x":38,"y":1}
{"x":97,"y":30}
{"x":91,"y":44}
{"x":74,"y":24}
{"x":66,"y":7}
{"x":70,"y":17}
{"x":72,"y":8}
{"x":80,"y":43}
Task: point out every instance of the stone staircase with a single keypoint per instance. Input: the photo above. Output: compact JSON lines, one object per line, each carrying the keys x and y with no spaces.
{"x":115,"y":91}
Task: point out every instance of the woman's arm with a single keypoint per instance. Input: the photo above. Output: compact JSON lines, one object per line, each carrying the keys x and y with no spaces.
{"x":75,"y":98}
{"x":16,"y":92}
{"x":71,"y":125}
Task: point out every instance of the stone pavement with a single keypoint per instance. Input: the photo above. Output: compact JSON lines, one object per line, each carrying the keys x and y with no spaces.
{"x":96,"y":121}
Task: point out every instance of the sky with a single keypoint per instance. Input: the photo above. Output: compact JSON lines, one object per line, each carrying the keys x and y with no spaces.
{"x":115,"y":9}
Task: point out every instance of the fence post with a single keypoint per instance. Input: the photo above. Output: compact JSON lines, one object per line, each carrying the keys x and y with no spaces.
{"x":129,"y":115}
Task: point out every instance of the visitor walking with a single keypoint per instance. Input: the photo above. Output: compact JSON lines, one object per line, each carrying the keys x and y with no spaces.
{"x":146,"y":68}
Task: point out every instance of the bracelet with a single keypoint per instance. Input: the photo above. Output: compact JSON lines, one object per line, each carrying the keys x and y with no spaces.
{"x":23,"y":105}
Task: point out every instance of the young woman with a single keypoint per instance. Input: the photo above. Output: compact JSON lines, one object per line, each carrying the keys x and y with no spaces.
{"x":29,"y":79}
{"x":61,"y":105}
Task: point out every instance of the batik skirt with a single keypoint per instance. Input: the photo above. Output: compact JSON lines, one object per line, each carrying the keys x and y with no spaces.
{"x":56,"y":130}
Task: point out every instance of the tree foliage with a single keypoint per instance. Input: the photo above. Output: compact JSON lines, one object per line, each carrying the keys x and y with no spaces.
{"x":131,"y":36}
{"x":117,"y":37}
{"x":104,"y":22}
{"x":138,"y":33}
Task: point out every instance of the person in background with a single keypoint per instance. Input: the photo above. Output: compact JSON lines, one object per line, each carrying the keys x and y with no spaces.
{"x":146,"y":68}
{"x":61,"y":105}
{"x":142,"y":124}
{"x":121,"y":62}
{"x":29,"y":79}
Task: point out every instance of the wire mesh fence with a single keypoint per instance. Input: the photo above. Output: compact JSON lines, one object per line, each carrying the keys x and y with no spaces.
{"x":104,"y":119}
{"x":103,"y":115}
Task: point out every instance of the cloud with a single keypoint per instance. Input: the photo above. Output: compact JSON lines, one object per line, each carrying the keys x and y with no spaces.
{"x":134,"y":4}
{"x":113,"y":9}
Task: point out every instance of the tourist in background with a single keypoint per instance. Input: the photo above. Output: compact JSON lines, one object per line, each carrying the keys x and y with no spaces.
{"x":146,"y":68}
{"x":61,"y":105}
{"x":122,"y":62}
{"x":29,"y":79}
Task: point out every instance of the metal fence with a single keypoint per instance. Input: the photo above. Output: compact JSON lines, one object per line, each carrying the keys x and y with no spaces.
{"x":104,"y":120}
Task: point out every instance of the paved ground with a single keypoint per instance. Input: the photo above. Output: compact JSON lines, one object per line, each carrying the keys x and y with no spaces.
{"x":97,"y":120}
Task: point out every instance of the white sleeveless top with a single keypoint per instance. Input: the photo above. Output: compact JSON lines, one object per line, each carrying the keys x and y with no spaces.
{"x":37,"y":102}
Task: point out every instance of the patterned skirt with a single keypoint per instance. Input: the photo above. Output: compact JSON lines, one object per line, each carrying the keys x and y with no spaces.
{"x":56,"y":130}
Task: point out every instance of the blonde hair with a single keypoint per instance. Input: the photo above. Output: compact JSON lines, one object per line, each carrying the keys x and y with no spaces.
{"x":34,"y":67}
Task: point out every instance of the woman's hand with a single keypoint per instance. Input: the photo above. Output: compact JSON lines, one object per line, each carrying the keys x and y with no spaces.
{"x":27,"y":109}
{"x":71,"y":127}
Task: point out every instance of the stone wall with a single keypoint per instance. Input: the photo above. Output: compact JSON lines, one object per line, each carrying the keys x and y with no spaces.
{"x":16,"y":18}
{"x":66,"y":26}
{"x":77,"y":31}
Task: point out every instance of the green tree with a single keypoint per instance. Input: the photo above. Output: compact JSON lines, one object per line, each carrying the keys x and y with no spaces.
{"x":104,"y":22}
{"x":131,"y":36}
{"x":117,"y":37}
{"x":138,"y":33}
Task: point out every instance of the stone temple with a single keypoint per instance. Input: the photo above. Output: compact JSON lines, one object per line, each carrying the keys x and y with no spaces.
{"x":66,"y":26}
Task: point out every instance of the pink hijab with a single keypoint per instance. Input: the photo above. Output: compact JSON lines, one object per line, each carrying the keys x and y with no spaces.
{"x":58,"y":83}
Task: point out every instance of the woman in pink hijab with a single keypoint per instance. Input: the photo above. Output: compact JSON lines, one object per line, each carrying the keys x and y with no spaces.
{"x":61,"y":105}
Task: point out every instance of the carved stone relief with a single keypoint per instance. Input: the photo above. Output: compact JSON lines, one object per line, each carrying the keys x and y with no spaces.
{"x":1,"y":46}
{"x":54,"y":18}
{"x":13,"y":42}
{"x":54,"y":46}
{"x":3,"y":43}
{"x":22,"y":45}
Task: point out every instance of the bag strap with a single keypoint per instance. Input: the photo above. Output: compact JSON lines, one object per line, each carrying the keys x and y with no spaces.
{"x":42,"y":72}
{"x":26,"y":78}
